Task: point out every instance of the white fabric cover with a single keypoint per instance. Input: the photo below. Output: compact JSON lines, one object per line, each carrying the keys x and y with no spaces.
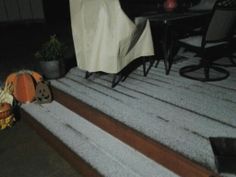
{"x":105,"y":39}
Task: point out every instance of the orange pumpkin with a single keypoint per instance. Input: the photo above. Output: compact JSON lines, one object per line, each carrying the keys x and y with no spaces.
{"x":24,"y":89}
{"x":24,"y":85}
{"x":37,"y":77}
{"x":7,"y":122}
{"x":12,"y":77}
{"x":5,"y":110}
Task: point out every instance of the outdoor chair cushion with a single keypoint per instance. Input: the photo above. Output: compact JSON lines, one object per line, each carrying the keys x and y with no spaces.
{"x":197,"y":42}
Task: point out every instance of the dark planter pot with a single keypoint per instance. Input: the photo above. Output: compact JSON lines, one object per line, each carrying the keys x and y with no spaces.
{"x":225,"y":154}
{"x":52,"y":69}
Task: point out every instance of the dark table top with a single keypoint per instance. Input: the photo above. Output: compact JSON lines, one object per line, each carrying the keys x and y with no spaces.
{"x":175,"y":16}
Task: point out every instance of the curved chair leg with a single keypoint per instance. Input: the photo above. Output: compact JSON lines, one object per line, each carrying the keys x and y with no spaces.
{"x":157,"y":63}
{"x":232,"y":62}
{"x":116,"y":79}
{"x":206,"y":72}
{"x":206,"y":75}
{"x":146,"y":70}
{"x":87,"y":74}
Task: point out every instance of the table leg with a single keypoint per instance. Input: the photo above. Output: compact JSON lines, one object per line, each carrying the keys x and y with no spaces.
{"x":166,"y":51}
{"x":168,"y":46}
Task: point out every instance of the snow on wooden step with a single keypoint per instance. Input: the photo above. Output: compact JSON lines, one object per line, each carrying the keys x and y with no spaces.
{"x":105,"y":153}
{"x":175,"y":111}
{"x":204,"y":88}
{"x":228,"y":175}
{"x":227,"y":83}
{"x":181,"y":140}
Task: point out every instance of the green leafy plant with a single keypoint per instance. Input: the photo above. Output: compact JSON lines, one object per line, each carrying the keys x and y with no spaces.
{"x":53,"y":49}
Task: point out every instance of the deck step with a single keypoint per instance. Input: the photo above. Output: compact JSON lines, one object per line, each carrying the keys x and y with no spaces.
{"x":174,"y":117}
{"x":169,"y":119}
{"x":106,"y":154}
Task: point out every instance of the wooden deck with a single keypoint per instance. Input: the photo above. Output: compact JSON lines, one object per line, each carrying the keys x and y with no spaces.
{"x":153,"y":149}
{"x":169,"y":119}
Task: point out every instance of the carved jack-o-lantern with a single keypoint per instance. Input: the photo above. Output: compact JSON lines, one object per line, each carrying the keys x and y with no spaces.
{"x":43,"y":93}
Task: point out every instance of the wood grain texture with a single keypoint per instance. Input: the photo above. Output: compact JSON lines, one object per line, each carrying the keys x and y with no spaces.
{"x":152,"y":149}
{"x":78,"y":163}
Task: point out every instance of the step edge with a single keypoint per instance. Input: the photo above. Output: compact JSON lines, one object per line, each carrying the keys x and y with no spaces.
{"x":83,"y":167}
{"x":54,"y":116}
{"x":175,"y":162}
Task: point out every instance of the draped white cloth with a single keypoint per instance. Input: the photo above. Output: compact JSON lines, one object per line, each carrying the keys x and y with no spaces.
{"x":105,"y":39}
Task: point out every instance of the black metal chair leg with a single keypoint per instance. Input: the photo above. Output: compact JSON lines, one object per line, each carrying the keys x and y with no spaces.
{"x":206,"y":71}
{"x":157,"y":63}
{"x":233,"y":60}
{"x":87,"y":74}
{"x":146,"y":70}
{"x":144,"y":66}
{"x":188,"y":71}
{"x":231,"y":63}
{"x":124,"y":77}
{"x":116,"y":79}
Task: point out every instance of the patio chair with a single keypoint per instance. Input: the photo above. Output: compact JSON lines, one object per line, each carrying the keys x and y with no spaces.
{"x":212,"y":44}
{"x":106,"y":40}
{"x":230,"y":60}
{"x":233,"y":55}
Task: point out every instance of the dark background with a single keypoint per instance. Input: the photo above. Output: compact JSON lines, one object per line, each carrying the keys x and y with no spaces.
{"x":57,"y":10}
{"x":20,"y":40}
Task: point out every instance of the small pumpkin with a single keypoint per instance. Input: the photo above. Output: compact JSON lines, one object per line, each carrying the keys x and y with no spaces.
{"x":6,"y":115}
{"x":43,"y":93}
{"x":5,"y":110}
{"x":6,"y":94}
{"x":7,"y":122}
{"x":24,"y":85}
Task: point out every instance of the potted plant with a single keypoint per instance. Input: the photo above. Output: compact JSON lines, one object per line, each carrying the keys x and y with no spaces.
{"x":51,"y":58}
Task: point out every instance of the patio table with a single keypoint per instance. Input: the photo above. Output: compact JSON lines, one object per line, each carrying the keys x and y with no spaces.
{"x":172,"y":24}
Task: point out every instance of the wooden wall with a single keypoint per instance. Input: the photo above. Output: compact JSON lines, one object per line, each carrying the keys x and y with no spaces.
{"x":21,"y":10}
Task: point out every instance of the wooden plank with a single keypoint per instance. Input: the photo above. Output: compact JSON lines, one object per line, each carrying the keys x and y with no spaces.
{"x":152,"y":149}
{"x":77,"y":162}
{"x":12,"y":10}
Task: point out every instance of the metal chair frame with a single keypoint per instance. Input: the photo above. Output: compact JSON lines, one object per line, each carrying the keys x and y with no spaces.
{"x":225,"y":7}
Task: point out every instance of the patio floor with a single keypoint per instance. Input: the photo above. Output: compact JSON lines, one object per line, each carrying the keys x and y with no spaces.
{"x":180,"y":113}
